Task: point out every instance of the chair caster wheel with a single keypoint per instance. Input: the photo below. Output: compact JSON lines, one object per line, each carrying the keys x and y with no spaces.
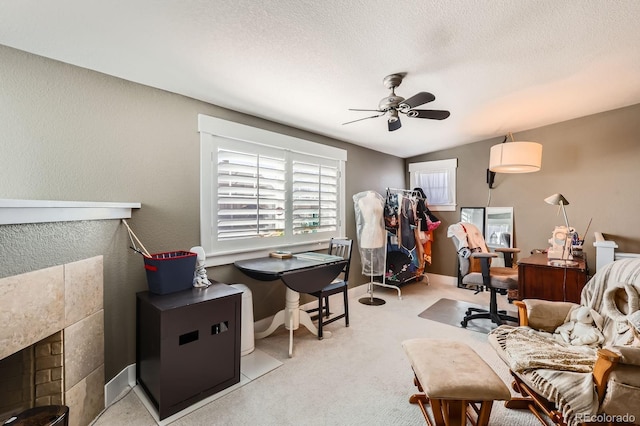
{"x":463,"y":324}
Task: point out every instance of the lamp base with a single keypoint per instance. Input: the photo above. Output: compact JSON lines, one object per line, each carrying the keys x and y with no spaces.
{"x":372,"y":301}
{"x":563,"y":263}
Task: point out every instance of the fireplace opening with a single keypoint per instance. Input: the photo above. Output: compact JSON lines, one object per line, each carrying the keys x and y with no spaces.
{"x":32,"y":377}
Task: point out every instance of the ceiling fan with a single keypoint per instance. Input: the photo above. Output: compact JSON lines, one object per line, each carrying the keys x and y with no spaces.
{"x":393,"y":104}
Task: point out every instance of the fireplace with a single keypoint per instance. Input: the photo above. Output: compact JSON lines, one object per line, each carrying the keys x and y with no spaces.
{"x":32,"y":376}
{"x":52,"y":339}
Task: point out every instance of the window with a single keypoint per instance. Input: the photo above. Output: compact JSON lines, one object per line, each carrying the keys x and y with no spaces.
{"x":262,"y":191}
{"x":438,"y":180}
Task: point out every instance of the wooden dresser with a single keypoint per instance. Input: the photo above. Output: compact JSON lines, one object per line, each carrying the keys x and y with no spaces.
{"x":538,"y":279}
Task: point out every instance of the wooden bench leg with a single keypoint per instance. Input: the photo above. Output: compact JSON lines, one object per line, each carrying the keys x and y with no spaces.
{"x":485,"y":413}
{"x":436,"y":408}
{"x":450,"y":412}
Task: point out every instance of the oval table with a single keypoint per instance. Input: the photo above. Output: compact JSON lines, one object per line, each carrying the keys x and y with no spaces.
{"x":302,"y":273}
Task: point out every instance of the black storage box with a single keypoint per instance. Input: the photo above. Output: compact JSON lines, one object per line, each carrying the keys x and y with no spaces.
{"x":170,"y":272}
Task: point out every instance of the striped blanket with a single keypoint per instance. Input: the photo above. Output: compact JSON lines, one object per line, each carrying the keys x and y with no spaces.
{"x":572,"y":391}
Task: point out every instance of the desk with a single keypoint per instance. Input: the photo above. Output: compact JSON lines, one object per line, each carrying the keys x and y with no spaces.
{"x":302,"y":273}
{"x":537,"y":279}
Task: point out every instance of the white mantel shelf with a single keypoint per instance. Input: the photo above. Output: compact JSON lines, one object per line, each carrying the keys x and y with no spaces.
{"x":13,"y":212}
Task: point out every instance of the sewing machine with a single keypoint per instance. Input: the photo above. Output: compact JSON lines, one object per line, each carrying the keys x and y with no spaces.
{"x":561,"y":243}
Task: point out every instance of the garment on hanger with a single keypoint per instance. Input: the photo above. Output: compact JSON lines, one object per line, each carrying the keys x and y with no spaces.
{"x":407,"y":223}
{"x":428,"y":221}
{"x":426,"y":244}
{"x":391,"y":212}
{"x":469,"y":238}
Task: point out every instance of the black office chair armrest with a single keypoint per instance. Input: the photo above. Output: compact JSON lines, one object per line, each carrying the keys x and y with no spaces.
{"x":483,"y":255}
{"x":508,"y":254}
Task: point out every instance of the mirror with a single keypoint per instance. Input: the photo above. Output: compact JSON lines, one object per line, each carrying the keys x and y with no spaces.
{"x":499,"y":229}
{"x":474,"y":215}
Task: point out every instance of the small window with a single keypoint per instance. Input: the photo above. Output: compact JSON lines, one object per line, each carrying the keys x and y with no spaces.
{"x":262,"y":191}
{"x":438,"y":181}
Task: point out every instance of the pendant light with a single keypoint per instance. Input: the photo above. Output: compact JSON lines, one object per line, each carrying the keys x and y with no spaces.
{"x":515,"y":157}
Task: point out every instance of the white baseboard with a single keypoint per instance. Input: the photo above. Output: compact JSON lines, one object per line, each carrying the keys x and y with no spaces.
{"x":117,"y":385}
{"x":443,"y":279}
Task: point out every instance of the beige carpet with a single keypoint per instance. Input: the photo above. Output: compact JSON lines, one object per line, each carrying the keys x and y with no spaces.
{"x":358,"y":376}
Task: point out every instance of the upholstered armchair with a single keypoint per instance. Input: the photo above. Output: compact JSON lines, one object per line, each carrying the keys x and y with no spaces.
{"x":577,"y":384}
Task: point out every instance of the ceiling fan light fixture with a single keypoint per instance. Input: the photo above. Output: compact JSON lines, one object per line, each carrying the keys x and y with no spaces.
{"x":515,"y":157}
{"x":391,"y":105}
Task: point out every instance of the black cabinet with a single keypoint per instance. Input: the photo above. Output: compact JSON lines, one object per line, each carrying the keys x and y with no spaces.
{"x":187,"y":345}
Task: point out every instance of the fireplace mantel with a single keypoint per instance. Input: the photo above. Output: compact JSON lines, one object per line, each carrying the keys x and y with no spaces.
{"x":13,"y":212}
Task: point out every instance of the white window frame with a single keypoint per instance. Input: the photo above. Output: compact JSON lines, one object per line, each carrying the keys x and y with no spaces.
{"x":214,"y":131}
{"x":449,"y":167}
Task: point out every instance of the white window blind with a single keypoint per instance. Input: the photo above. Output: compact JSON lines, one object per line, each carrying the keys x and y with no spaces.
{"x":262,"y":191}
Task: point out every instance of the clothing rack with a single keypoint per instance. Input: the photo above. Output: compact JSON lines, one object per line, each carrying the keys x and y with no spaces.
{"x":411,"y":192}
{"x":415,"y":195}
{"x":384,"y":275}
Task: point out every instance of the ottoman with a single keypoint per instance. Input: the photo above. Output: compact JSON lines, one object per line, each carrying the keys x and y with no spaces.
{"x":452,"y":378}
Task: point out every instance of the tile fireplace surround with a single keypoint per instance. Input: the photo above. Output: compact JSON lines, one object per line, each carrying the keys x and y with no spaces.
{"x":67,"y":297}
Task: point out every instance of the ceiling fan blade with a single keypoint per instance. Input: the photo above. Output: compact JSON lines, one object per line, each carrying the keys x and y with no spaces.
{"x":416,"y":100}
{"x":434,"y":114}
{"x":394,"y":125}
{"x":365,"y":118}
{"x":373,"y":110}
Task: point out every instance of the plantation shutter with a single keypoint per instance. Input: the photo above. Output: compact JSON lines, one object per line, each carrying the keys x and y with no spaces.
{"x":315,"y":194}
{"x":251,"y":194}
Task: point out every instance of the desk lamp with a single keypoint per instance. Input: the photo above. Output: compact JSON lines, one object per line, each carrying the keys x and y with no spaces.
{"x":559,"y":200}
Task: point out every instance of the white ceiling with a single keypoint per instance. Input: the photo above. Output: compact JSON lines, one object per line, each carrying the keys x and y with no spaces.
{"x":497,"y":65}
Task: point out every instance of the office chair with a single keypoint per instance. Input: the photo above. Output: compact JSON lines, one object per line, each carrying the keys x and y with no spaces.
{"x":474,"y":261}
{"x":337,"y":247}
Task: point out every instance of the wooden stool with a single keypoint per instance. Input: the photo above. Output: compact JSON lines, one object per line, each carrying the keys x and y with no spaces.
{"x":452,"y":377}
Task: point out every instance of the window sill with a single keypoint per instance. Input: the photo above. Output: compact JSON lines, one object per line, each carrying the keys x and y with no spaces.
{"x":219,"y":259}
{"x":442,"y":208}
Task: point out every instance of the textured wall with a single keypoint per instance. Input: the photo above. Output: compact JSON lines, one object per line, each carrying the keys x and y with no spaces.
{"x":67,"y":133}
{"x":593,"y":161}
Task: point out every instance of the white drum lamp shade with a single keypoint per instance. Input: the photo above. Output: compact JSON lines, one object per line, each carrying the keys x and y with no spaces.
{"x":515,"y":157}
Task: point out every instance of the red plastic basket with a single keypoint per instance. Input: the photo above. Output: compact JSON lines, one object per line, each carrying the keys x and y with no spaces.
{"x":170,"y":272}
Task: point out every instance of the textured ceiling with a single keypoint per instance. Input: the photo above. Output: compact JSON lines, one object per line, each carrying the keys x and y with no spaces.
{"x":498,"y":66}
